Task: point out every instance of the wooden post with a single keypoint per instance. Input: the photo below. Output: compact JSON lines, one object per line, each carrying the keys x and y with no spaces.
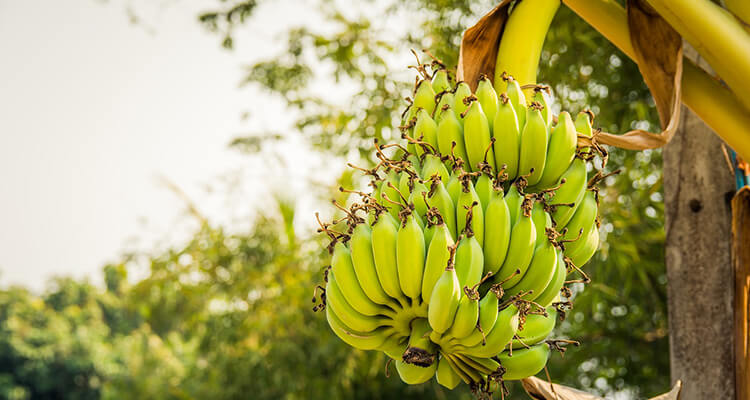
{"x":741,"y":261}
{"x":698,"y":186}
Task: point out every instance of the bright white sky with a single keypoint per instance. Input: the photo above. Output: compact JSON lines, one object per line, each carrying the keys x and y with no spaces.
{"x":94,"y":110}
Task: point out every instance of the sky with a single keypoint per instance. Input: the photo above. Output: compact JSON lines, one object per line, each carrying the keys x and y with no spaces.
{"x":97,"y":113}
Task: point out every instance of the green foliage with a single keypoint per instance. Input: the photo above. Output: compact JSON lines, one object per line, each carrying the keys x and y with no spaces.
{"x":229,"y":315}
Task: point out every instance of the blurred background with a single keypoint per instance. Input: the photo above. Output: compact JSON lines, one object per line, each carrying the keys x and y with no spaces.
{"x":161,"y":162}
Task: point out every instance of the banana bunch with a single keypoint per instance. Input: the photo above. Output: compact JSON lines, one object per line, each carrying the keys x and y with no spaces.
{"x":454,"y":264}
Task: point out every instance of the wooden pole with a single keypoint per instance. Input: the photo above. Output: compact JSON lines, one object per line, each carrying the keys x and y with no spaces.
{"x":741,"y":261}
{"x":698,"y":186}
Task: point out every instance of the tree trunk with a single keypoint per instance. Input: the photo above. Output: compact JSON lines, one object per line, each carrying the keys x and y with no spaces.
{"x":698,"y":187}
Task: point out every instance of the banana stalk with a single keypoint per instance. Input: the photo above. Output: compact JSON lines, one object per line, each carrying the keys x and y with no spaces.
{"x":718,"y":107}
{"x":522,"y":41}
{"x":716,"y":35}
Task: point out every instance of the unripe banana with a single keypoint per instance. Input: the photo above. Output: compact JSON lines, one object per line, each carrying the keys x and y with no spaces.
{"x":450,"y":130}
{"x":444,"y":298}
{"x":542,"y":221}
{"x":440,"y":81}
{"x":581,"y":251}
{"x":477,"y":137}
{"x":454,"y":188}
{"x":445,"y":104}
{"x":390,"y":193}
{"x":410,"y":253}
{"x":488,"y":312}
{"x":363,"y":260}
{"x":384,"y":241}
{"x":348,"y":315}
{"x":539,"y":274}
{"x":488,"y":99}
{"x":425,"y":130}
{"x":507,"y":136}
{"x":517,"y":99}
{"x":541,"y":96}
{"x":497,"y":224}
{"x":445,"y":374}
{"x":417,"y":197}
{"x":570,"y":192}
{"x":484,"y":188}
{"x":437,"y":258}
{"x":584,"y":216}
{"x":520,"y":249}
{"x":469,"y":374}
{"x":561,"y":151}
{"x":420,"y":351}
{"x":342,"y":267}
{"x":424,"y":97}
{"x":394,"y":347}
{"x":413,"y":374}
{"x":441,"y":199}
{"x":535,"y":329}
{"x":469,"y":261}
{"x":533,"y":145}
{"x":362,"y":341}
{"x":469,"y":200}
{"x":434,"y":165}
{"x":462,"y":91}
{"x":513,"y":199}
{"x":449,"y":359}
{"x":502,"y":333}
{"x":485,"y":366}
{"x":552,"y":290}
{"x":583,"y":126}
{"x":467,"y":316}
{"x":524,"y":363}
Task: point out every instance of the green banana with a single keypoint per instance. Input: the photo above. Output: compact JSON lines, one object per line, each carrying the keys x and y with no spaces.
{"x":497,"y":224}
{"x":467,"y":316}
{"x":424,"y":97}
{"x":450,"y":130}
{"x":410,"y":255}
{"x":584,"y":248}
{"x":469,"y":261}
{"x":384,"y":243}
{"x":542,"y":221}
{"x":445,"y":297}
{"x":583,"y":126}
{"x":394,"y":347}
{"x":507,"y":136}
{"x":552,"y":290}
{"x":462,"y":91}
{"x":583,"y":218}
{"x":484,"y":188}
{"x":535,"y":329}
{"x":513,"y":199}
{"x":434,"y":165}
{"x":502,"y":332}
{"x":541,"y":96}
{"x":561,"y":151}
{"x":517,"y":99}
{"x":414,"y":374}
{"x":470,"y":374}
{"x":488,"y":312}
{"x":420,"y":350}
{"x":468,"y":199}
{"x":445,"y":375}
{"x":487,"y":98}
{"x":477,"y":136}
{"x":363,"y":260}
{"x":391,"y":193}
{"x":524,"y":363}
{"x":441,"y":81}
{"x":441,"y":199}
{"x":342,"y":267}
{"x":570,"y":192}
{"x":454,"y":188}
{"x":533,"y":145}
{"x":436,"y":260}
{"x":539,"y":274}
{"x":425,"y":130}
{"x":417,"y":197}
{"x":348,"y":315}
{"x":445,"y":104}
{"x":362,"y":341}
{"x":520,"y":249}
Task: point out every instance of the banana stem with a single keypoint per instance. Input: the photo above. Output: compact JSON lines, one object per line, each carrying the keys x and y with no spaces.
{"x":716,"y":35}
{"x":522,"y":41}
{"x":714,"y":104}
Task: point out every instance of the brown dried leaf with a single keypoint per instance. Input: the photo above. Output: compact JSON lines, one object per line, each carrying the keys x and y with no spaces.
{"x":478,"y":52}
{"x":658,"y":51}
{"x":543,"y":390}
